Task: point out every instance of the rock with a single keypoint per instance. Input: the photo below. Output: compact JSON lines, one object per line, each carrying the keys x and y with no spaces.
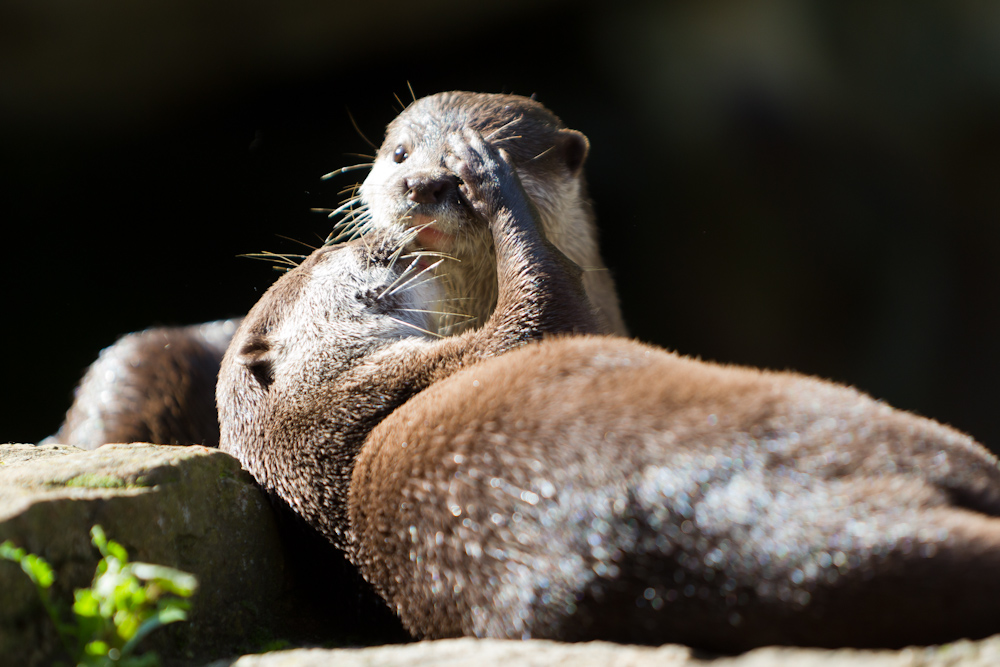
{"x":537,"y":653}
{"x":192,"y":508}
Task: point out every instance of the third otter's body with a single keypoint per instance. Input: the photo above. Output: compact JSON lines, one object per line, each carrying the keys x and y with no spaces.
{"x":583,"y":487}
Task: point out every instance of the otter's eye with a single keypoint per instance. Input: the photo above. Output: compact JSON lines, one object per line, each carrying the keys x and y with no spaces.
{"x":400,"y":154}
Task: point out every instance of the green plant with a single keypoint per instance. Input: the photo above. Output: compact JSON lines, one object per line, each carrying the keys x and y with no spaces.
{"x":125,"y":603}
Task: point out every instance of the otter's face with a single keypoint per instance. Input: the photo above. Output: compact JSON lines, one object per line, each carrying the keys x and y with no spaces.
{"x":410,"y":184}
{"x":317,"y":322}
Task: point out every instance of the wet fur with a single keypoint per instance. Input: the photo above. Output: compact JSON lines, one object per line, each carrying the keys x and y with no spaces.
{"x":524,"y":480}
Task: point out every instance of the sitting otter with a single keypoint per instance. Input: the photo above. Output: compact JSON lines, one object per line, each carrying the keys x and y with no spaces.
{"x":530,"y":479}
{"x":157,"y":385}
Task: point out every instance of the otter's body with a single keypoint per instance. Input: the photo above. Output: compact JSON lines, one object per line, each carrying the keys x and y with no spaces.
{"x":531,"y":479}
{"x":591,"y":488}
{"x":151,"y":386}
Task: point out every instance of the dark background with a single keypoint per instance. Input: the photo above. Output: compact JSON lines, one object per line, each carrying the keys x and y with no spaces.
{"x":804,"y":185}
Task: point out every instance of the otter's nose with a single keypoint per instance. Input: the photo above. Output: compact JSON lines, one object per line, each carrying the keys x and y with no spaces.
{"x":429,"y":188}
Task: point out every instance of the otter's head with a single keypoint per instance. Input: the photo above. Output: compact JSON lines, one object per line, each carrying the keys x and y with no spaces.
{"x":411,"y":186}
{"x":313,"y":326}
{"x":410,"y":183}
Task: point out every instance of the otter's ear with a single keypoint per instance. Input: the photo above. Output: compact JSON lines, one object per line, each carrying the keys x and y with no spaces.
{"x":573,"y":146}
{"x":258,"y":357}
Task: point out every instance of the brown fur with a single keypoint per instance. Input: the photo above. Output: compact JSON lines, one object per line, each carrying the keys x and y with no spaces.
{"x":583,"y":487}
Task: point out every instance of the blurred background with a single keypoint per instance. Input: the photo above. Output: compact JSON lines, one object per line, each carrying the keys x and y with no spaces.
{"x":796,"y":185}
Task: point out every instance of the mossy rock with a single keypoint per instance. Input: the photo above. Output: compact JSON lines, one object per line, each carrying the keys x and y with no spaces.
{"x":191,"y":508}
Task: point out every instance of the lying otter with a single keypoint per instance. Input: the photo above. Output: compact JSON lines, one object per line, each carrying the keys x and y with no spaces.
{"x":527,"y":479}
{"x":157,"y":385}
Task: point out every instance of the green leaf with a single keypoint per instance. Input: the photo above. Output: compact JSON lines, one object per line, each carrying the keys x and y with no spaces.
{"x":167,"y":578}
{"x":9,"y":552}
{"x":128,"y":625}
{"x":99,"y":539}
{"x":96,"y":647}
{"x":162,"y":617}
{"x":38,"y":569}
{"x":84,"y":603}
{"x":117,"y":551}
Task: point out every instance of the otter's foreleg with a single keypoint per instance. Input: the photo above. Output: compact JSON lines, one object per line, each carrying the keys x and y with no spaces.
{"x":540,"y":290}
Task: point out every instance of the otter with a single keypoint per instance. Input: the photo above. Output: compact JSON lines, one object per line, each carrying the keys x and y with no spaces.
{"x":534,"y":478}
{"x":158,"y":385}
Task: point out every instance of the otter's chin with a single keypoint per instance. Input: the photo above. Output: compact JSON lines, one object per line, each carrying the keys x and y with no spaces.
{"x":430,"y":236}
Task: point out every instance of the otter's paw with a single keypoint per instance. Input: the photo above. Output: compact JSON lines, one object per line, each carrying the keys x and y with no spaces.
{"x":487,"y":181}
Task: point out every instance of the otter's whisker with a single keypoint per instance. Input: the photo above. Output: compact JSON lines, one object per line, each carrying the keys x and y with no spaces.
{"x":425,"y":270}
{"x":406,"y":216}
{"x":445,"y":313}
{"x":348,"y":234}
{"x":432,"y":253}
{"x":357,"y":129}
{"x":275,"y":258}
{"x":354,"y":221}
{"x":416,"y":285}
{"x":447,"y":327}
{"x":348,"y":229}
{"x":349,"y":168}
{"x":404,"y":275}
{"x":395,"y":257}
{"x":513,"y":121}
{"x":351,"y":218}
{"x":294,"y":240}
{"x":543,"y":152}
{"x":355,"y":231}
{"x":510,"y":138}
{"x":350,"y":189}
{"x":413,"y":232}
{"x":414,"y":326}
{"x":343,"y":207}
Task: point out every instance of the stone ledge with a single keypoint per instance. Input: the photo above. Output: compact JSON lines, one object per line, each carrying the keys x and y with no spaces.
{"x":496,"y":653}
